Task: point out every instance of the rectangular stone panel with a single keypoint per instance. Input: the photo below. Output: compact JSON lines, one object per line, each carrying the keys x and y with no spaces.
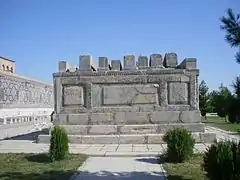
{"x":129,"y":62}
{"x":73,"y":95}
{"x":178,"y":93}
{"x":130,"y":94}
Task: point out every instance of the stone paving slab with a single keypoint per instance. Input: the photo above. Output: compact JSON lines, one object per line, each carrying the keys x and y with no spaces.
{"x":110,"y":168}
{"x":138,"y":150}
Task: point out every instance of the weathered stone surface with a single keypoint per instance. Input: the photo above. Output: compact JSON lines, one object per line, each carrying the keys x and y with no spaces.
{"x":116,"y":65}
{"x":129,"y":62}
{"x":130,"y":105}
{"x":62,"y":66}
{"x":73,"y":95}
{"x":142,"y":62}
{"x":132,"y":117}
{"x":130,"y":94}
{"x":156,"y":61}
{"x":170,"y":60}
{"x":189,"y":63}
{"x":103,"y":64}
{"x":102,"y":118}
{"x":178,"y":93}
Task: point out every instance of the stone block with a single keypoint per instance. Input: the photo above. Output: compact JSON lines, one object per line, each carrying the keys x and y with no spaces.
{"x":130,"y":94}
{"x":116,"y":65}
{"x":102,"y":129}
{"x":73,"y":95}
{"x":129,"y":62}
{"x":138,"y":129}
{"x":76,"y":129}
{"x":142,"y":62}
{"x":189,"y":63}
{"x":170,"y":60}
{"x":131,"y":117}
{"x":190,"y":116}
{"x":62,"y":66}
{"x":103,"y":64}
{"x":77,"y":119}
{"x":132,"y":139}
{"x":102,"y":118}
{"x":96,"y":95}
{"x":162,"y":117}
{"x":178,"y":93}
{"x":85,"y":62}
{"x":156,"y":61}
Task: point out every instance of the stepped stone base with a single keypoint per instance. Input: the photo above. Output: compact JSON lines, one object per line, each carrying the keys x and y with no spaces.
{"x":130,"y":129}
{"x":127,"y":138}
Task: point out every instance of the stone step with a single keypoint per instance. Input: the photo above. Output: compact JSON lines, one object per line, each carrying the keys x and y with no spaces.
{"x":143,"y":117}
{"x":127,"y":138}
{"x":130,"y":129}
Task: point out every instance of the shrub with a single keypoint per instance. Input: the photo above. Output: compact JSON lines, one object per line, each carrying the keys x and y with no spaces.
{"x":58,"y":144}
{"x":180,"y":144}
{"x":222,"y":161}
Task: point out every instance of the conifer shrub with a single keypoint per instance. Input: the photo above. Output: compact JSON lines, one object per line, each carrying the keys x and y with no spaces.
{"x":59,"y":148}
{"x":180,"y":145}
{"x":222,"y":161}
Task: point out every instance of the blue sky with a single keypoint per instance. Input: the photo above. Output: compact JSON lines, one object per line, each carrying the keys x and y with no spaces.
{"x":37,"y":34}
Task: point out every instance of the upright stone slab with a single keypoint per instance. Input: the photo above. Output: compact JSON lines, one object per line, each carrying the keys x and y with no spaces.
{"x":188,"y":63}
{"x":170,"y":60}
{"x":85,"y":63}
{"x":62,"y":66}
{"x":116,"y":65}
{"x":156,"y":61}
{"x":103,"y":64}
{"x":142,"y":62}
{"x":129,"y":62}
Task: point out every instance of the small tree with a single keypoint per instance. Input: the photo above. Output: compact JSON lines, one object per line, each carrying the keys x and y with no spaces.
{"x":59,"y":148}
{"x":203,"y":98}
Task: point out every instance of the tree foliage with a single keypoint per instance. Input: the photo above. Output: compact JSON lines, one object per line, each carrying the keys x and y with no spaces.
{"x":220,"y":100}
{"x":231,"y":25}
{"x":203,"y":98}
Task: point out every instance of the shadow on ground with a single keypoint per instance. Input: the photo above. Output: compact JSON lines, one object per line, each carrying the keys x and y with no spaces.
{"x":152,"y":160}
{"x":30,"y":136}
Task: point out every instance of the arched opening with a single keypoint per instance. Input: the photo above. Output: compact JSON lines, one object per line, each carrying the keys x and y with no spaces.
{"x":3,"y":67}
{"x":11,"y":70}
{"x":7,"y":68}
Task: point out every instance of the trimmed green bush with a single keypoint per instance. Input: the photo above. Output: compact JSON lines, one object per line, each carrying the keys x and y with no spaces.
{"x":222,"y":161}
{"x":180,"y":144}
{"x":59,"y":148}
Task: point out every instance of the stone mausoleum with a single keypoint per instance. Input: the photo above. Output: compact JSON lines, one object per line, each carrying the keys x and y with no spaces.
{"x":131,"y":104}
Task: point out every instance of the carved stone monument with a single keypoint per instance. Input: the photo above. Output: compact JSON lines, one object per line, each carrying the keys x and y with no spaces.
{"x":133,"y":104}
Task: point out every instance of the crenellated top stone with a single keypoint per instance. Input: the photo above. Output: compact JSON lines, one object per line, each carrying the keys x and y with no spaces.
{"x":86,"y":63}
{"x":156,"y":61}
{"x":170,"y":60}
{"x":129,"y":62}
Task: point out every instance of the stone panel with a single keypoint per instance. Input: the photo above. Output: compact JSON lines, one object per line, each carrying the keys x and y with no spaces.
{"x":178,"y":93}
{"x":102,"y":118}
{"x":130,"y":94}
{"x":73,"y":95}
{"x":131,"y":117}
{"x":96,"y":95}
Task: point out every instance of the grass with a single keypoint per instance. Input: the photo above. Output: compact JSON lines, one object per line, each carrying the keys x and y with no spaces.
{"x":222,"y":124}
{"x":190,"y":170}
{"x":38,"y":167}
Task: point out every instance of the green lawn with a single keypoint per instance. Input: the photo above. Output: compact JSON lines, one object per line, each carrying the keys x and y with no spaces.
{"x":222,"y":124}
{"x":190,"y":170}
{"x":37,"y":167}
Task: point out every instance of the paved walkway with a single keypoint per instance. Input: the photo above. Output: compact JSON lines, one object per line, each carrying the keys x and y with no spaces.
{"x":28,"y":146}
{"x":111,"y":168}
